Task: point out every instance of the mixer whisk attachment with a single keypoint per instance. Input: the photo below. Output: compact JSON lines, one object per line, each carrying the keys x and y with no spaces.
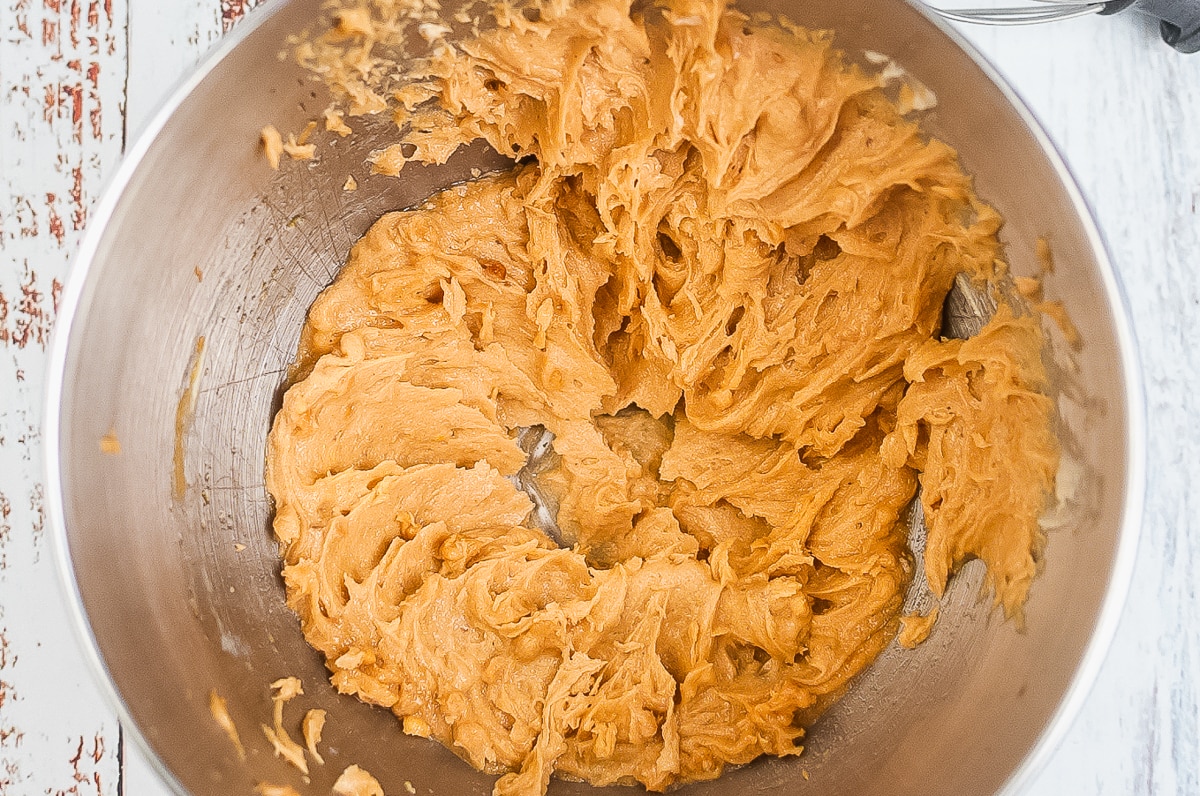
{"x":1179,"y":20}
{"x":1042,"y":11}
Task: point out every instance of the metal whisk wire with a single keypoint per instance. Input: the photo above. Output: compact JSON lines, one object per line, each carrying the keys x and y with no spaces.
{"x":1179,"y":20}
{"x":1044,"y":11}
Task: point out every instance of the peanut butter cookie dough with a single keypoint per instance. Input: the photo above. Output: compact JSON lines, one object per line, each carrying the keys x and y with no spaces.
{"x":717,"y":278}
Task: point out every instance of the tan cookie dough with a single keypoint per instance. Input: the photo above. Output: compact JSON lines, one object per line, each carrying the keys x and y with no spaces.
{"x":718,"y":281}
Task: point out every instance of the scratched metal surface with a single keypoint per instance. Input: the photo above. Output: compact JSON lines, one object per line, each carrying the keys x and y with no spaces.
{"x":79,"y":77}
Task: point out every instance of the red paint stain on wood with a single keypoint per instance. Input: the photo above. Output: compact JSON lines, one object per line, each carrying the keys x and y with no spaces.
{"x":65,"y":95}
{"x":94,"y":116}
{"x":30,"y":321}
{"x":93,"y":76}
{"x":49,"y":32}
{"x":26,"y":217}
{"x":49,"y":104}
{"x":234,"y":10}
{"x":82,"y":778}
{"x":21,"y":18}
{"x":5,"y":535}
{"x":37,"y":500}
{"x":78,"y":209}
{"x":55,"y":221}
{"x":98,"y":749}
{"x":10,"y":737}
{"x":75,"y":14}
{"x":75,"y":93}
{"x":52,"y":26}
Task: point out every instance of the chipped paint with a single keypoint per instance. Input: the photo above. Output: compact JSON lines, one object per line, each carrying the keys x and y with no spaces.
{"x":62,"y":77}
{"x":25,"y":319}
{"x":232,"y":11}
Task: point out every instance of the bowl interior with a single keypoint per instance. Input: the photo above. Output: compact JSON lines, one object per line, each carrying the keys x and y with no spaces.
{"x":183,"y":594}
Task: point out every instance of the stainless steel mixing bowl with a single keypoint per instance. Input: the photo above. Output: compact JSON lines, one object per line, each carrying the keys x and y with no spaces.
{"x":197,"y":237}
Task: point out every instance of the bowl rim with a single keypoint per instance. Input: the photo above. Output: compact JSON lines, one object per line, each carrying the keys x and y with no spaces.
{"x":1120,"y":578}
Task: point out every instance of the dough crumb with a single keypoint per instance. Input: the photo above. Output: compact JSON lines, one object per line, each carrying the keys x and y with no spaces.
{"x":109,"y":443}
{"x":314,"y":722}
{"x":1030,"y":287}
{"x":415,"y":725}
{"x":431,"y":31}
{"x":184,"y":412}
{"x":297,"y":150}
{"x":238,"y":547}
{"x":334,"y":123}
{"x":915,"y":97}
{"x":388,"y":161}
{"x":286,"y":688}
{"x":1055,"y":311}
{"x":354,"y":781}
{"x":199,"y":274}
{"x":351,"y":22}
{"x":1045,"y":255}
{"x":912,"y":96}
{"x":408,"y":786}
{"x":306,"y":133}
{"x":220,"y":713}
{"x":272,"y":144}
{"x":286,"y":748}
{"x":914,"y":628}
{"x":351,"y":184}
{"x":264,"y":789}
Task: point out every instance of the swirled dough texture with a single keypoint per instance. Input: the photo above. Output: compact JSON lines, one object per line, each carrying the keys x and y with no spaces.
{"x":717,"y":277}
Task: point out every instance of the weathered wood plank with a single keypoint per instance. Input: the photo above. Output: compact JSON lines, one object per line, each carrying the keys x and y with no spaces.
{"x":62,"y":75}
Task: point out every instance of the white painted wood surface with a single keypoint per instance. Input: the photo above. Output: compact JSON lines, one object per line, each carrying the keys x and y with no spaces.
{"x":79,"y":77}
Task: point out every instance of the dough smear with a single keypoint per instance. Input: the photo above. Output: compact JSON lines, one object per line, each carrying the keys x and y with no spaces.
{"x":716,"y":277}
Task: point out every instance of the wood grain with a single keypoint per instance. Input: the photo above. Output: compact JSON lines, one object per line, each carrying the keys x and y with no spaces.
{"x":62,"y":75}
{"x":76,"y":75}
